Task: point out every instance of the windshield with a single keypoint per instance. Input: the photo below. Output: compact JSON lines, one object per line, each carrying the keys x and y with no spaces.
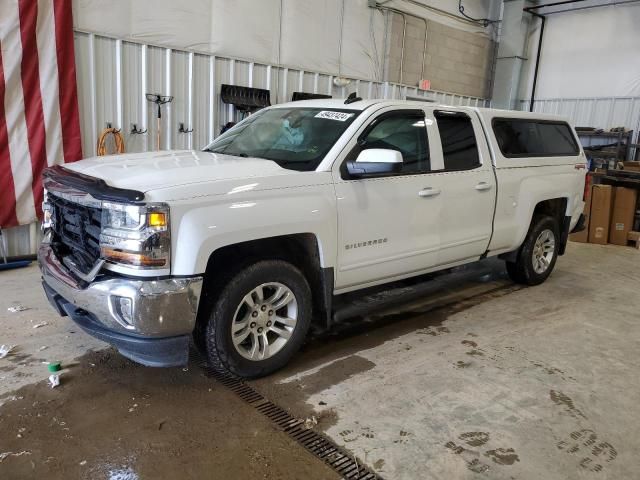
{"x":294,"y":138}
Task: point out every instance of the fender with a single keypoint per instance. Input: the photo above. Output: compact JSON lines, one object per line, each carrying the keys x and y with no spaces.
{"x":224,"y":220}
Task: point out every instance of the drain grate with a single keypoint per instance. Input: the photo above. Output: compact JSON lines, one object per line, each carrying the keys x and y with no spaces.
{"x":317,"y":444}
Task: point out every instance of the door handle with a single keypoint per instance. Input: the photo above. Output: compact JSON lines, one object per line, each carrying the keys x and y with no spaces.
{"x":483,"y":186}
{"x":429,"y":192}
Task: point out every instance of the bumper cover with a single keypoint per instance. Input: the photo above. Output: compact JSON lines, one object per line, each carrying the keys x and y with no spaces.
{"x":580,"y":225}
{"x":152,"y":352}
{"x":160,"y":317}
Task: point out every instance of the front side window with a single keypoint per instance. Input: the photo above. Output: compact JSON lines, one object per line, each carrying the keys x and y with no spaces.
{"x":534,"y":138}
{"x":294,"y":138}
{"x":459,"y":146}
{"x":405,"y":133}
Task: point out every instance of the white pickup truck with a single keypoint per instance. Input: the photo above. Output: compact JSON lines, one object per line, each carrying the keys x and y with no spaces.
{"x":248,"y":242}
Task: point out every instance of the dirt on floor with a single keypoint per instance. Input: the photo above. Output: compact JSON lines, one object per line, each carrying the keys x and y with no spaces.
{"x":113,"y":419}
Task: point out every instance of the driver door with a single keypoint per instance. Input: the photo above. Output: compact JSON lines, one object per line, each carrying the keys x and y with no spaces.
{"x":388,"y":223}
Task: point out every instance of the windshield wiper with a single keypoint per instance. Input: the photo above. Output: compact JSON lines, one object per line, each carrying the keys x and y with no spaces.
{"x":243,"y":155}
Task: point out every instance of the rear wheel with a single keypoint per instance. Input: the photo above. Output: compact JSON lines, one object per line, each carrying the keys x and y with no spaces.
{"x":259,"y":320}
{"x":538,"y":254}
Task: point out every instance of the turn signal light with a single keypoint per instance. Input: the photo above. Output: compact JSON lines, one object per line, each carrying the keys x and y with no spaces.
{"x":127,"y":258}
{"x":157,"y":219}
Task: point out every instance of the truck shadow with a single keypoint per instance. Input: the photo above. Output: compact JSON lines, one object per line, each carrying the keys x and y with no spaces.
{"x":419,"y":307}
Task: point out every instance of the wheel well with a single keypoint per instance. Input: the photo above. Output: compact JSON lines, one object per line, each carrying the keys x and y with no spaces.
{"x":301,"y":250}
{"x":554,"y":207}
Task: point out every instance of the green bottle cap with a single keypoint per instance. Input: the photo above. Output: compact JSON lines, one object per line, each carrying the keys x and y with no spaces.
{"x":54,"y":366}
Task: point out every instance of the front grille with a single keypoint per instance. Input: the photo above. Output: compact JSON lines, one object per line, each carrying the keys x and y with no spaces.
{"x":76,"y":231}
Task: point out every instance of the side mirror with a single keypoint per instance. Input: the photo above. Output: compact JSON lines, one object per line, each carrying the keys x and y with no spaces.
{"x":375,"y":161}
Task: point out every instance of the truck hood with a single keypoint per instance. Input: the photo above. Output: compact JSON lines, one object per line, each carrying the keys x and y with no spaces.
{"x":156,"y":170}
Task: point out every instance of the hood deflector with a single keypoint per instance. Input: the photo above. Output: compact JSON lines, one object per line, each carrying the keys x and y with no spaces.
{"x":96,"y":187}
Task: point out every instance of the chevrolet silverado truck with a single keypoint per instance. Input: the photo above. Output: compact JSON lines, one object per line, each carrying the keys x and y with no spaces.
{"x":246,"y":244}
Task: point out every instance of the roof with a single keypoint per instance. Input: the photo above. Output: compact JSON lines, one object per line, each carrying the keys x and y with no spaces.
{"x":338,"y":103}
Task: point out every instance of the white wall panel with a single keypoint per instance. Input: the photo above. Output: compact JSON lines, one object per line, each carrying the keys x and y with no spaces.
{"x":296,"y":33}
{"x":112,"y":17}
{"x":245,"y":29}
{"x":133,"y":97}
{"x":170,"y":23}
{"x":586,"y":53}
{"x":85,"y":95}
{"x":180,"y":91}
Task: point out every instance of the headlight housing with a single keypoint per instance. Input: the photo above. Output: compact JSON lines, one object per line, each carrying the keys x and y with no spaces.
{"x":136,"y":236}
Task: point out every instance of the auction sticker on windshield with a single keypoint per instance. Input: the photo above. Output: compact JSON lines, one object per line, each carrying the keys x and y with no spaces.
{"x":339,"y":116}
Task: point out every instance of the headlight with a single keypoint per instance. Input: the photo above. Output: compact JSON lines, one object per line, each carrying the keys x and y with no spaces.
{"x":136,"y":235}
{"x":47,"y":213}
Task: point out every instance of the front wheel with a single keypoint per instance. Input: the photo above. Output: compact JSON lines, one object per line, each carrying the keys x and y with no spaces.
{"x":538,"y":254}
{"x":260,"y":319}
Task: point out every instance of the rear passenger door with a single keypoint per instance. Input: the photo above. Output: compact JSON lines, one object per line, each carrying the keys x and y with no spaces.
{"x":468,"y":187}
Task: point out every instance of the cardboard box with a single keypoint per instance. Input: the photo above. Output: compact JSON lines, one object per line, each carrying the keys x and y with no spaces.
{"x":583,"y":236}
{"x":632,"y":166}
{"x":624,"y":210}
{"x":600,"y":219}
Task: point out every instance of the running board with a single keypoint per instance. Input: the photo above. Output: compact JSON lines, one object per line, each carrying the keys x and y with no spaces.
{"x":363,"y":302}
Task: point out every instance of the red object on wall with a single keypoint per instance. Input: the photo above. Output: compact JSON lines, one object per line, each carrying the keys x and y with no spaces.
{"x":39,"y":118}
{"x":424,"y":85}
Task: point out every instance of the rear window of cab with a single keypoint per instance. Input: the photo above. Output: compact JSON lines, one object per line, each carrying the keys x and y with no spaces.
{"x":519,"y":138}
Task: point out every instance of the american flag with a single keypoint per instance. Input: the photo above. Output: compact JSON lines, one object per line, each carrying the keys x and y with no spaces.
{"x":39,"y":119}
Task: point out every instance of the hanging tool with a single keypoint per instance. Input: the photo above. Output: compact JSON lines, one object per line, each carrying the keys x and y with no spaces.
{"x":117,"y":138}
{"x":159,"y":100}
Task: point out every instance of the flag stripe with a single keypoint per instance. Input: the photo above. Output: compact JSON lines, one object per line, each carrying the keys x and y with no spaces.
{"x":69,"y":114}
{"x":14,"y":111}
{"x":39,"y":117}
{"x":28,"y":10}
{"x":7,"y":191}
{"x":49,"y":81}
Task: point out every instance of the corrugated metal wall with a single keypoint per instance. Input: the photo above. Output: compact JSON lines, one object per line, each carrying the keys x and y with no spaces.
{"x":22,"y":240}
{"x":113,"y":77}
{"x":602,"y":112}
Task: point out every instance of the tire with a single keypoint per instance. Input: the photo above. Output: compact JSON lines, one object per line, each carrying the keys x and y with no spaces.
{"x":267,"y":343}
{"x":542,"y":239}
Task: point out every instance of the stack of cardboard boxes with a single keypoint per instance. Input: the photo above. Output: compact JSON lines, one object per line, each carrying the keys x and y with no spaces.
{"x":609,"y":213}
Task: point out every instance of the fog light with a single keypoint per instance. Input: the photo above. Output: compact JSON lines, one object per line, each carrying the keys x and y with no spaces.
{"x":123,"y":310}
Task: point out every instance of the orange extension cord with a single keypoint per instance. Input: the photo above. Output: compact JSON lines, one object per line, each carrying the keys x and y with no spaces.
{"x":117,"y":138}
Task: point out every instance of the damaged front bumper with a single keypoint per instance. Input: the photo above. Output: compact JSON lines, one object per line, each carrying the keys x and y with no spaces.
{"x":148,"y":321}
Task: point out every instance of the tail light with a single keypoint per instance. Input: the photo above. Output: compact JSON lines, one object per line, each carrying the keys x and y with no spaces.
{"x":587,"y":187}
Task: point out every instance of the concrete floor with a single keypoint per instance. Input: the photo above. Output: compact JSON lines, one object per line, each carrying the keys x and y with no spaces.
{"x":480,"y":379}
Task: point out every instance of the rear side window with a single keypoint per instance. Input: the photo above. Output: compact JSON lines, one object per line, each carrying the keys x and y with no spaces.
{"x":534,"y":138}
{"x":459,"y":147}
